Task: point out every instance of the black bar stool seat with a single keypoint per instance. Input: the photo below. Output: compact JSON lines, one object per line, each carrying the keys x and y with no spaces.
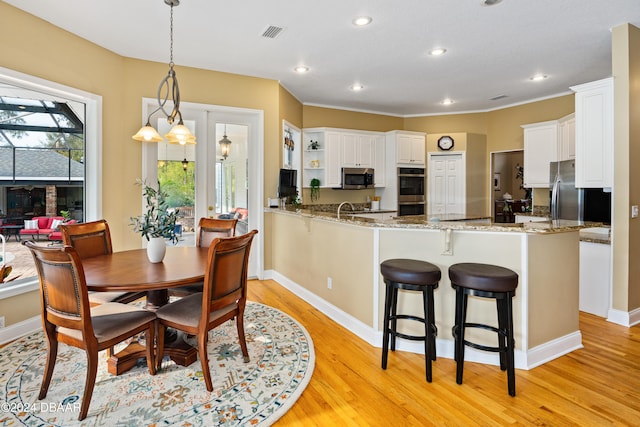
{"x":485,"y":281}
{"x":410,"y":275}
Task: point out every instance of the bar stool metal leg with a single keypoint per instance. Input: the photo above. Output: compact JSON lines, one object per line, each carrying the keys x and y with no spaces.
{"x":511,"y":343}
{"x":385,"y":336}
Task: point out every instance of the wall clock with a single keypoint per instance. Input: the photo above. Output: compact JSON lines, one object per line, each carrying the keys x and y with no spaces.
{"x":445,"y":143}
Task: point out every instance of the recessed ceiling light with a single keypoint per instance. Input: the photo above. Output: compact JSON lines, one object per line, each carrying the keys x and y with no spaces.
{"x":301,"y":69}
{"x":538,"y":77}
{"x":361,"y":21}
{"x":447,"y":101}
{"x":437,"y":51}
{"x":490,"y":2}
{"x":357,"y":87}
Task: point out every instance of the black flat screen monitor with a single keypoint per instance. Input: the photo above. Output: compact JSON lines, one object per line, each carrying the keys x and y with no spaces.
{"x":287,"y":184}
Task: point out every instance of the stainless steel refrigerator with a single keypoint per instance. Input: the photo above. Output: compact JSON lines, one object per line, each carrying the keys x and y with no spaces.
{"x":567,"y":201}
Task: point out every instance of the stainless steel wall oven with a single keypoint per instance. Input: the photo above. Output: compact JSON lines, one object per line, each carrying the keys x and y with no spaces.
{"x":411,"y":191}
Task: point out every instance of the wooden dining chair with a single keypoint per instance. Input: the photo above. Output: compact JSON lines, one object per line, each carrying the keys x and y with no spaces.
{"x":223,"y":298}
{"x":208,"y":229}
{"x":92,"y":239}
{"x":68,"y":318}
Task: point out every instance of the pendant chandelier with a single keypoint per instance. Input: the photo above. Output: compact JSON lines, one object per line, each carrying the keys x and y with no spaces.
{"x":179,"y":134}
{"x":225,"y":145}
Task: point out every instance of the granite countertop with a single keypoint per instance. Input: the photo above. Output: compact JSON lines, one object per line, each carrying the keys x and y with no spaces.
{"x":422,"y":222}
{"x":596,"y":235}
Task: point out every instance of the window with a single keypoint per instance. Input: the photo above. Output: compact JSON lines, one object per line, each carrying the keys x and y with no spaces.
{"x":49,"y":149}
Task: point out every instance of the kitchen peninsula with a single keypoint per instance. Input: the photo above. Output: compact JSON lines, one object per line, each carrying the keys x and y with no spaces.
{"x":334,"y":264}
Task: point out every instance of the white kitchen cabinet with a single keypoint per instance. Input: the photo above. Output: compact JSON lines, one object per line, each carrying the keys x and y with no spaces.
{"x":528,"y":218}
{"x":540,"y":148}
{"x":322,"y":163}
{"x":594,"y":134}
{"x":358,"y":151}
{"x":595,"y":278}
{"x":567,"y":138}
{"x":410,"y":149}
{"x":341,"y":148}
{"x":380,"y":161}
{"x":378,"y":215}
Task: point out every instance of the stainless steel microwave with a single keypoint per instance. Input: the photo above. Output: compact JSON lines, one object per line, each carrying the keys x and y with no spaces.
{"x":357,"y":178}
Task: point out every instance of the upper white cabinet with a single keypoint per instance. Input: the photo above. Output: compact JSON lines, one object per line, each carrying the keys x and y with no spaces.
{"x":410,"y":148}
{"x":594,"y":134}
{"x":358,"y":150}
{"x":567,"y":137}
{"x":540,"y":148}
{"x":340,"y":148}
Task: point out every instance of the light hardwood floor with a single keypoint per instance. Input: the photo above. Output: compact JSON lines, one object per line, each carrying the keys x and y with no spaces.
{"x":594,"y":386}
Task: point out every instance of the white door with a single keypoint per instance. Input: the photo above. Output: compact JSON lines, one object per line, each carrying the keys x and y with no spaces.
{"x":446,"y":191}
{"x":222,"y":185}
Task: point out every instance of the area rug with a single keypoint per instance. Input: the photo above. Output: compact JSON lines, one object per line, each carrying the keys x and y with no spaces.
{"x":254,"y":393}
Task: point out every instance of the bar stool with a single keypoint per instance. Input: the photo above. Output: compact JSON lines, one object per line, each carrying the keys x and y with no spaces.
{"x":410,"y":275}
{"x":486,"y":281}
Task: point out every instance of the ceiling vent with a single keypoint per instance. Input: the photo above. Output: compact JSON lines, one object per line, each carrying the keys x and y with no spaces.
{"x":272,"y":32}
{"x":495,"y":98}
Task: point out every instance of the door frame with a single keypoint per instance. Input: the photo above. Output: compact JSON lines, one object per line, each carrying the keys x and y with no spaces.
{"x":205,"y":183}
{"x":491,"y":200}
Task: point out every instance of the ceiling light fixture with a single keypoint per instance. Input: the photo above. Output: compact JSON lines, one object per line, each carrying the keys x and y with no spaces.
{"x":538,"y":77}
{"x":225,"y":145}
{"x":301,"y":69}
{"x":356,"y":87}
{"x":437,"y":51}
{"x":447,"y":101}
{"x":179,"y":134}
{"x":361,"y":21}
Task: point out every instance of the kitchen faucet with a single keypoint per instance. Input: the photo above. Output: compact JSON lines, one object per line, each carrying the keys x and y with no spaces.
{"x":342,"y":204}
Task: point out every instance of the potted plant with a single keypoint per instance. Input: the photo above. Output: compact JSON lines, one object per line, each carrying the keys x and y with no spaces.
{"x":157,"y":223}
{"x":314,"y":184}
{"x":296,"y":202}
{"x":66,"y":215}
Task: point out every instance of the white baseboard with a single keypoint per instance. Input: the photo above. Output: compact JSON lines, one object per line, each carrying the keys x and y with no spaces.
{"x":553,"y":349}
{"x":624,"y":318}
{"x":19,"y":329}
{"x":444,"y":348}
{"x":345,"y":320}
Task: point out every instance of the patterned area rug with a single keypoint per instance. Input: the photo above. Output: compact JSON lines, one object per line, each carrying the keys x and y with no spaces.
{"x":254,"y":393}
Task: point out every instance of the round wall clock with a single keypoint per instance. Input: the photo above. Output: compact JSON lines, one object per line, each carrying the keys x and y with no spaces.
{"x":445,"y":142}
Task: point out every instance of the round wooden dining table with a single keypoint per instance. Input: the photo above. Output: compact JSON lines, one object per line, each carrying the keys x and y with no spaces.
{"x":131,"y":271}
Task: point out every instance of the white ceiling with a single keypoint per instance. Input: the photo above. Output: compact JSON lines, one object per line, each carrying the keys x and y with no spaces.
{"x":491,"y":51}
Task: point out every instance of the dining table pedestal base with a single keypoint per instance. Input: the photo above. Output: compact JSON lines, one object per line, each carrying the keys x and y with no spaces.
{"x":179,"y":350}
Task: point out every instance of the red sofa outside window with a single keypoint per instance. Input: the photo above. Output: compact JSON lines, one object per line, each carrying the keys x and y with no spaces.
{"x":44,"y":227}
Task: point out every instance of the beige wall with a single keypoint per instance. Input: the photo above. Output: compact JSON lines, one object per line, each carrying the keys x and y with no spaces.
{"x":626,"y":231}
{"x":329,"y":117}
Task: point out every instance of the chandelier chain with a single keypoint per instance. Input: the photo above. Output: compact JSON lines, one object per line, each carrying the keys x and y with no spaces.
{"x":171,"y":38}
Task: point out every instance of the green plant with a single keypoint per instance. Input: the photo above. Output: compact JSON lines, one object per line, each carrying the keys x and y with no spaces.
{"x":66,"y":215}
{"x":157,"y":220}
{"x":295,"y":201}
{"x":314,"y":184}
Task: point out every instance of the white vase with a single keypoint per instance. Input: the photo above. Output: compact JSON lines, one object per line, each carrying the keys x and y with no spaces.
{"x":156,"y":248}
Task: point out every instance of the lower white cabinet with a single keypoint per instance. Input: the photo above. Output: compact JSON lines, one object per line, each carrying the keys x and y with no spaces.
{"x":528,"y":218}
{"x":378,"y":215}
{"x":595,"y":278}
